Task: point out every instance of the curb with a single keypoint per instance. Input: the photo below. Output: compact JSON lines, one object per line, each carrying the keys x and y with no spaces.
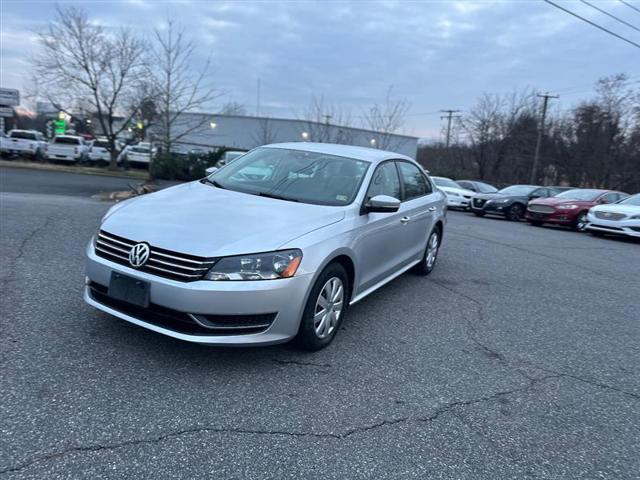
{"x":79,"y":170}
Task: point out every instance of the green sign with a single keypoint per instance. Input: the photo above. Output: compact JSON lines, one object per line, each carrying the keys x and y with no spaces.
{"x":60,"y":127}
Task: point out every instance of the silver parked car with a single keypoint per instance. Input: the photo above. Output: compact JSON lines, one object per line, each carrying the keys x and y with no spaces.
{"x":272,"y":247}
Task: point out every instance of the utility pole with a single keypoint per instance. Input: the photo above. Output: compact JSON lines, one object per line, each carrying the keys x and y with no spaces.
{"x":536,"y":156}
{"x":450,"y":115}
{"x":258,"y":99}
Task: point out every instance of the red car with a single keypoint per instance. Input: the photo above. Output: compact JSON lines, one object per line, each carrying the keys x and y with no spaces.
{"x":569,"y":208}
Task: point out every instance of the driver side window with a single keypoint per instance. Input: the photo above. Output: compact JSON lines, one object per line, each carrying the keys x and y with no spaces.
{"x":385,"y":182}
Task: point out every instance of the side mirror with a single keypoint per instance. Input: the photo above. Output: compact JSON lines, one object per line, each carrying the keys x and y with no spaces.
{"x":382,"y":204}
{"x":211,"y":170}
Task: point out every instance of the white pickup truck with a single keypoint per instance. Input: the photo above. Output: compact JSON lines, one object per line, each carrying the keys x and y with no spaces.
{"x":68,"y":148}
{"x":99,"y":151}
{"x":30,"y":143}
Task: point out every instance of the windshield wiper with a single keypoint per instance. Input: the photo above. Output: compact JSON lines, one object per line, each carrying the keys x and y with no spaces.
{"x":276,"y":196}
{"x":212,"y":182}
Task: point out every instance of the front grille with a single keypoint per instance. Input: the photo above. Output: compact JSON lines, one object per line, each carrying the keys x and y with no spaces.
{"x":609,"y":216}
{"x":164,"y":263}
{"x":478,"y":202}
{"x":182,"y":322}
{"x":541,"y":209}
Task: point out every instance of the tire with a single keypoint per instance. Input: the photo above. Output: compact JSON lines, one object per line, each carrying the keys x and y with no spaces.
{"x":535,"y":223}
{"x":317,"y":330}
{"x":515,"y":212}
{"x":428,"y":262}
{"x":581,"y":222}
{"x":479,"y":214}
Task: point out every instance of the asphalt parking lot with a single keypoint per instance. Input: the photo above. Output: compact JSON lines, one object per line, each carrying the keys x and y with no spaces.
{"x":517,"y":358}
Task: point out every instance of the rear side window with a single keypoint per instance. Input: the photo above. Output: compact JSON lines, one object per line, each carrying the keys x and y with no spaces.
{"x":414,"y":182}
{"x":385,"y":182}
{"x":66,"y":140}
{"x":23,"y":135}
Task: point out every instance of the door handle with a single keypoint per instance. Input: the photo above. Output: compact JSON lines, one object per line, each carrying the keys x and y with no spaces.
{"x":405,"y":220}
{"x":433,"y":209}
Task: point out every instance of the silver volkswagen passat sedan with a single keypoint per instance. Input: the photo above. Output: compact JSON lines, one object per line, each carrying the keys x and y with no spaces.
{"x":271,"y":247}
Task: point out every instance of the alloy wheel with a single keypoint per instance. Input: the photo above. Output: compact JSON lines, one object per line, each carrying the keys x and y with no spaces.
{"x":432,"y":250}
{"x":581,"y":224}
{"x":328,"y":309}
{"x":515,"y":213}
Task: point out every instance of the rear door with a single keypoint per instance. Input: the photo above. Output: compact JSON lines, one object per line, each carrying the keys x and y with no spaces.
{"x":417,"y":211}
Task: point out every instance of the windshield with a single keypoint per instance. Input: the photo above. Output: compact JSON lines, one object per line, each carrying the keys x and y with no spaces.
{"x":101,"y":143}
{"x":67,"y":140}
{"x":23,"y":135}
{"x":486,"y":188}
{"x":294,"y":175}
{"x":633,"y":200}
{"x":445,"y":182}
{"x":518,"y":190}
{"x":580,"y":194}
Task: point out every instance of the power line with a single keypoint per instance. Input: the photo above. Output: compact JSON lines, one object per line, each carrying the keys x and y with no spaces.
{"x":610,"y":15}
{"x":629,"y":5}
{"x":637,"y":45}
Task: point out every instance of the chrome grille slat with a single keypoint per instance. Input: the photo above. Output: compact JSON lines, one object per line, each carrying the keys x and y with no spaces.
{"x":170,"y":264}
{"x":610,"y":216}
{"x":541,"y":209}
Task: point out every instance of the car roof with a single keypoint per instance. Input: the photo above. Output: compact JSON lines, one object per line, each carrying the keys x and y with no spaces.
{"x":371,"y":155}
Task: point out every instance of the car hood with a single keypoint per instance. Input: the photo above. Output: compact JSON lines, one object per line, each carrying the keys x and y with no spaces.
{"x":553,"y":201}
{"x":624,"y":209}
{"x":206,"y":221}
{"x":459,"y":191}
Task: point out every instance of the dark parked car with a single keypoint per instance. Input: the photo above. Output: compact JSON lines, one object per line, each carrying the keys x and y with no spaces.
{"x":475,"y":186}
{"x":510,"y":202}
{"x":570,"y":208}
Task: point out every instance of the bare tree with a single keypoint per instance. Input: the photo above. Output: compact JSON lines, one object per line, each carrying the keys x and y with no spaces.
{"x":179,"y":91}
{"x":386,"y":119}
{"x":326,"y":123}
{"x":233,"y":108}
{"x":82,"y":62}
{"x":265,"y":132}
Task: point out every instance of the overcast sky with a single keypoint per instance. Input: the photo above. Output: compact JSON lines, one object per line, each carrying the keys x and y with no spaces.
{"x":436,"y":54}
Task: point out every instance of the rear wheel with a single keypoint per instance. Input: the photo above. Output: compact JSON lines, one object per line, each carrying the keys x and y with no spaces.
{"x":425,"y":267}
{"x":581,"y":222}
{"x":515,"y":212}
{"x":325,"y":309}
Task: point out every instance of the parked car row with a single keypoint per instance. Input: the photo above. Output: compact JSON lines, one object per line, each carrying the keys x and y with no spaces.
{"x":598,"y":211}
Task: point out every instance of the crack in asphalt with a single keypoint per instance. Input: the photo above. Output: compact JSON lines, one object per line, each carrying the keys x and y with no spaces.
{"x":21,"y":250}
{"x":438,"y":412}
{"x":301,"y":363}
{"x":494,"y":354}
{"x":533,"y":252}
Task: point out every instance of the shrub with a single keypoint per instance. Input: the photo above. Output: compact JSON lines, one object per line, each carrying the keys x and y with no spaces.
{"x":183,"y":167}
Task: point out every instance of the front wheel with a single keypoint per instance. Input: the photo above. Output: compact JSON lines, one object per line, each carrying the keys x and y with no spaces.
{"x":581,"y":222}
{"x":515,"y":212}
{"x":428,"y":262}
{"x":325,"y":309}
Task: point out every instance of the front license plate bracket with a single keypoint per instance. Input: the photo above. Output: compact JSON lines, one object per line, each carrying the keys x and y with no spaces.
{"x":129,"y":289}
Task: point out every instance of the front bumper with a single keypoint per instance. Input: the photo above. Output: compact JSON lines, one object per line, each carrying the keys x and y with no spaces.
{"x":490,"y":208}
{"x":630,"y":228}
{"x":457,"y":202}
{"x":284,"y":297}
{"x":559,"y":217}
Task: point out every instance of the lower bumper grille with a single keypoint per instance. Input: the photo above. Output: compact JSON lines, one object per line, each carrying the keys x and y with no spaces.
{"x":478,"y":203}
{"x":541,"y":209}
{"x":182,"y":322}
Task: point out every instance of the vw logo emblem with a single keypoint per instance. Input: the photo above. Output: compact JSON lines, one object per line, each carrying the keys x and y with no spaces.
{"x":139,"y":254}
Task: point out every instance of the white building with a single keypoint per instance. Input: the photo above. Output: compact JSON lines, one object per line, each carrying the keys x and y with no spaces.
{"x":246,"y":132}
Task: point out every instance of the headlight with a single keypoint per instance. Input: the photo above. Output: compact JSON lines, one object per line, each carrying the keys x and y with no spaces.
{"x":635,"y":217}
{"x":261,"y":266}
{"x":452,"y":194}
{"x":568,"y":206}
